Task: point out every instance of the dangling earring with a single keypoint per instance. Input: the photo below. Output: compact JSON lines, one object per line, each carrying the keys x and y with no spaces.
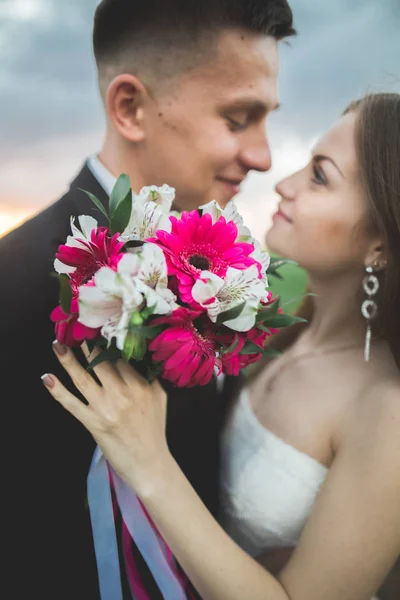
{"x":369,"y":307}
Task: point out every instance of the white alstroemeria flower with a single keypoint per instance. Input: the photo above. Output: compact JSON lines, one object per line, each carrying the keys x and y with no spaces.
{"x":146,"y":217}
{"x":152,"y":280}
{"x":230,"y":212}
{"x":163,"y":196}
{"x":263,"y":258}
{"x":113,"y":299}
{"x":140,"y":279}
{"x":218,"y":295}
{"x":87,"y":225}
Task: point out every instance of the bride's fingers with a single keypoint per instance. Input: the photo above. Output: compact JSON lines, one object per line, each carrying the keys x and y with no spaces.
{"x":74,"y":406}
{"x":129,"y":374}
{"x":83,"y":381}
{"x":105,"y":371}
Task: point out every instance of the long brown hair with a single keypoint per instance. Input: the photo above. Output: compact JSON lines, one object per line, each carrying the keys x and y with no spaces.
{"x":378,"y":153}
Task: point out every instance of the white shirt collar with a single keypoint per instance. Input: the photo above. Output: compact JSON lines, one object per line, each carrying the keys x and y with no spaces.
{"x":102,"y":174}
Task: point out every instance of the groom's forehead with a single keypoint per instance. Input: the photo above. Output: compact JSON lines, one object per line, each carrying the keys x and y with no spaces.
{"x":243,"y":71}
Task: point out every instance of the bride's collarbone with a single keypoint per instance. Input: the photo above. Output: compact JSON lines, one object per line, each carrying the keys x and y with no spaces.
{"x":309,"y":403}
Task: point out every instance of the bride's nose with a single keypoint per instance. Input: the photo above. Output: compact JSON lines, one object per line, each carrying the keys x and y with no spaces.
{"x":285,"y":188}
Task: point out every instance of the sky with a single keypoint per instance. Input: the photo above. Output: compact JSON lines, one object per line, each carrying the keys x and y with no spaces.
{"x":51,"y":116}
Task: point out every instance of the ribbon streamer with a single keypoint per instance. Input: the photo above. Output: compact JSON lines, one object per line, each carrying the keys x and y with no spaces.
{"x":148,"y":542}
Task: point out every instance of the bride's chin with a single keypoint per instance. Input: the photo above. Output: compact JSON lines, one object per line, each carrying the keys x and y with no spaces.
{"x":274,"y":242}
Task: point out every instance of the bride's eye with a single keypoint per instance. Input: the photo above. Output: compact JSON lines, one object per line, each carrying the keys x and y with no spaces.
{"x":319,"y":177}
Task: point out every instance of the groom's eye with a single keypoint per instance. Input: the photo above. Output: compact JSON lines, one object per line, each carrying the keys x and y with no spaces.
{"x":236,"y":124}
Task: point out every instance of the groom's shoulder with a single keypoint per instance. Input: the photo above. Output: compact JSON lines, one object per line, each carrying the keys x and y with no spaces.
{"x":40,"y":236}
{"x":27,"y":254}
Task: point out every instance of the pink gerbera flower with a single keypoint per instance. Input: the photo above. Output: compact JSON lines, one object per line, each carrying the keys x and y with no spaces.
{"x":195,"y":244}
{"x":68,"y":329}
{"x":84,"y":257}
{"x":188,"y":355}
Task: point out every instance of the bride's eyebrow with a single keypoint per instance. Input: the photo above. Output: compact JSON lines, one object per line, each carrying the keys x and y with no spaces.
{"x":321,"y":157}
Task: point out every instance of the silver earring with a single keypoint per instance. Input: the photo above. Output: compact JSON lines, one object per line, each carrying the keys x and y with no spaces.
{"x":369,"y":307}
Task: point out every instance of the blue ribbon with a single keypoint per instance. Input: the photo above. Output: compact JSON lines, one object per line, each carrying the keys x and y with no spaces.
{"x":103,"y":527}
{"x":137,"y":523}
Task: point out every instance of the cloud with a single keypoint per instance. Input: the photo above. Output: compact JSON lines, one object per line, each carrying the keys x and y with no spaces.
{"x":51,"y":115}
{"x":344,"y":50}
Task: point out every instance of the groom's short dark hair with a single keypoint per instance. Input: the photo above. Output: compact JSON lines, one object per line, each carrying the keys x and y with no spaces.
{"x":161,"y":38}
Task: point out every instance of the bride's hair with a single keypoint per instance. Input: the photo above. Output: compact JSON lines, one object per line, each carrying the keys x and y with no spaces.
{"x":157,"y":39}
{"x":377,"y":140}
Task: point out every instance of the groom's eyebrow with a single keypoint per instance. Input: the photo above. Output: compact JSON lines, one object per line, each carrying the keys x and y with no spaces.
{"x":255,"y":106}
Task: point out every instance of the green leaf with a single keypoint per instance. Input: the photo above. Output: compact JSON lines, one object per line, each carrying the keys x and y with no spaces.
{"x":280,"y":321}
{"x":232,"y":347}
{"x":65,"y":293}
{"x":105,"y":356}
{"x":297,"y":299}
{"x":268,"y":311}
{"x":135,"y":347}
{"x":134,"y":244}
{"x":277,"y":263}
{"x":96,"y":202}
{"x":262,"y":328}
{"x":154,"y":371}
{"x":271,"y":352}
{"x":136,"y":320}
{"x":120,"y":191}
{"x":149,"y":332}
{"x":250,"y":348}
{"x":148,"y":312}
{"x":128,"y":347}
{"x":121,"y":216}
{"x":230,"y":314}
{"x":277,"y":275}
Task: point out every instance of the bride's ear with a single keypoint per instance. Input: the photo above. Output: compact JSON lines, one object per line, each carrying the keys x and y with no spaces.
{"x":124,"y":102}
{"x":376,"y":256}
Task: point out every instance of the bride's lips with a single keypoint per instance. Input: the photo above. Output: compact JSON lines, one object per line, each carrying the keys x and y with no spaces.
{"x":280,"y":215}
{"x":232,"y":184}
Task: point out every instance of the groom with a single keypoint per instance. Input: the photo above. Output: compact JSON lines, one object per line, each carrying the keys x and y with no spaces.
{"x":187,"y":87}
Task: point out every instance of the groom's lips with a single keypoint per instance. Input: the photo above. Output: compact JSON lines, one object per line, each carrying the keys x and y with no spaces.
{"x":232,"y":184}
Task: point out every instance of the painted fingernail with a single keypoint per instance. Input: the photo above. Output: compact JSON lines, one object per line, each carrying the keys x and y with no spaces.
{"x":59,"y":348}
{"x":48,"y":380}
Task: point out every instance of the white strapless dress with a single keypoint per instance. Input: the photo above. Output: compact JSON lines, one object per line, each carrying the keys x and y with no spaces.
{"x":268,"y":487}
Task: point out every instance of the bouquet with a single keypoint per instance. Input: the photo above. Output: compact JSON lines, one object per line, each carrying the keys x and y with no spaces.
{"x":183,"y":295}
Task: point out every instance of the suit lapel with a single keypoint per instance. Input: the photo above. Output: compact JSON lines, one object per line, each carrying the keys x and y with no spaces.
{"x":82,"y":203}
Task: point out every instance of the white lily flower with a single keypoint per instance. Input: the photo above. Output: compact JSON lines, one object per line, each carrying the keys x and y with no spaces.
{"x":140,"y":279}
{"x":146,"y":218}
{"x":230,"y":213}
{"x":87,"y":225}
{"x":263,"y":258}
{"x":113,"y":299}
{"x":153,"y":275}
{"x":218,"y":295}
{"x":163,"y":196}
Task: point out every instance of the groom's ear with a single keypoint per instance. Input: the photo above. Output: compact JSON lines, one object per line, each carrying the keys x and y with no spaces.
{"x":125,"y":100}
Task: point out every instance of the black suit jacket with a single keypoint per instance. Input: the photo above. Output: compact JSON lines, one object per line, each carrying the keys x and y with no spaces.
{"x":46,"y":532}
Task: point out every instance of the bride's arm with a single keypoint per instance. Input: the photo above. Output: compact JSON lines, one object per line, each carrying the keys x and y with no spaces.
{"x":351,"y":539}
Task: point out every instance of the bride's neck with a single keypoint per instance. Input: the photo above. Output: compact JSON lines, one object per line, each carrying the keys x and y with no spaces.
{"x":337,"y":318}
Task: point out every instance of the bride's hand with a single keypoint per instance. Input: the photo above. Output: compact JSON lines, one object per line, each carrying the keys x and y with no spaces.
{"x":126,"y":415}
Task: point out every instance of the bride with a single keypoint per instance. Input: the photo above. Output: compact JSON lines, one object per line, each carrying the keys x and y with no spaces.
{"x":311,"y":445}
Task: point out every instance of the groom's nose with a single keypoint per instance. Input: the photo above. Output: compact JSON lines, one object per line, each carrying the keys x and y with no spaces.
{"x":255,"y":153}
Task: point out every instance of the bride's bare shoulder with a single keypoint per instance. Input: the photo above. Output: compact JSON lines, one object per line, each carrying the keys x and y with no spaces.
{"x":377,"y":414}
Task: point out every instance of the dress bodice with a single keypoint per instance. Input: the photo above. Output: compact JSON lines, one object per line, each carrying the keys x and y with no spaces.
{"x":268,"y":487}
